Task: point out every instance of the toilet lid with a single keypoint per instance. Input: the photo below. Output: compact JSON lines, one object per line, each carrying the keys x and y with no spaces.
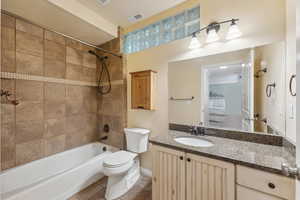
{"x":118,"y":158}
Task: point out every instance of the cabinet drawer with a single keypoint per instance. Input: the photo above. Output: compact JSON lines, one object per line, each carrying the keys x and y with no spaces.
{"x":249,"y":194}
{"x":269,"y":183}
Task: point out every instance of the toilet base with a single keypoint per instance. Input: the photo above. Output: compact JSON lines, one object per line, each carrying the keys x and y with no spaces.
{"x":118,"y":185}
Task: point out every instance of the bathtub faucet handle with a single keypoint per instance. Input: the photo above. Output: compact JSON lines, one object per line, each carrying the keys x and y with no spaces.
{"x":104,"y":138}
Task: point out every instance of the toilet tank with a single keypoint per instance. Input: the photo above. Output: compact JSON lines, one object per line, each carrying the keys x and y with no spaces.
{"x":137,"y":139}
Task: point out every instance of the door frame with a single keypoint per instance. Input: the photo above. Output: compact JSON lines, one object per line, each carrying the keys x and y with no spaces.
{"x":204,"y":86}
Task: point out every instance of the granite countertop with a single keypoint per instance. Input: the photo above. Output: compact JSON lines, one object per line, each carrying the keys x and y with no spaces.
{"x":260,"y":156}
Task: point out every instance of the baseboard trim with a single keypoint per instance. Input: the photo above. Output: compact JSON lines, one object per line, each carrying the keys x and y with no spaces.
{"x":146,"y":172}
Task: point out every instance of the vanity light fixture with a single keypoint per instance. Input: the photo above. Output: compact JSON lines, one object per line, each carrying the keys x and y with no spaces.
{"x":234,"y":31}
{"x":195,"y":43}
{"x":212,"y":32}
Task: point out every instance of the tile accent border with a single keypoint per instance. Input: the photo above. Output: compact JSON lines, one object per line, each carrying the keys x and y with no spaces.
{"x":18,"y":76}
{"x":289,"y":146}
{"x":235,"y":135}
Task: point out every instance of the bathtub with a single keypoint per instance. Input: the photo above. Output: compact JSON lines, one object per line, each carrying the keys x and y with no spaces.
{"x":56,"y":177}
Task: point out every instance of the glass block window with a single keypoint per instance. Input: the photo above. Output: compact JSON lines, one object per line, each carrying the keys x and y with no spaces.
{"x":172,"y":28}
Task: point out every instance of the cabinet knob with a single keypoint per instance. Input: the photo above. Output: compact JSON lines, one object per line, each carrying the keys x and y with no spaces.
{"x":181,"y":157}
{"x":271,"y":185}
{"x":188,"y":159}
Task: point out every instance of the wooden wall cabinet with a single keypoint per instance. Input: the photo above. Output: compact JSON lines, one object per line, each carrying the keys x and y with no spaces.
{"x":183,"y":176}
{"x":142,"y":89}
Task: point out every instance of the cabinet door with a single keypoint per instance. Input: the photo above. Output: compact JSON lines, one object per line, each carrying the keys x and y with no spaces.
{"x":209,"y":179}
{"x":141,"y":91}
{"x":168,"y":174}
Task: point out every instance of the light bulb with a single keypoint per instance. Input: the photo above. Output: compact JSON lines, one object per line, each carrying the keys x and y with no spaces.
{"x":212,"y":36}
{"x":233,"y":32}
{"x":195,"y":43}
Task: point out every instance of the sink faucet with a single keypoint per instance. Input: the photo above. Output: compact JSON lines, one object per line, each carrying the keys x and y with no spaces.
{"x":195,"y":130}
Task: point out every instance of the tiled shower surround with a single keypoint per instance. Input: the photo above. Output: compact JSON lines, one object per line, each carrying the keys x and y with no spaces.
{"x":54,"y":116}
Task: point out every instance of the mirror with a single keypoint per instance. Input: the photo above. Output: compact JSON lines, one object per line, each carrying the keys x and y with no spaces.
{"x":242,"y":90}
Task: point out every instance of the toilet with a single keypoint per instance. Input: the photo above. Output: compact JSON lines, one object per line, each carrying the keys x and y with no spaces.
{"x":123,"y":167}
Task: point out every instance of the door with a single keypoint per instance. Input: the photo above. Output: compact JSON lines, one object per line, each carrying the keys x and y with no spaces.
{"x":209,"y":179}
{"x":248,"y":91}
{"x":168,"y":167}
{"x":140,"y":87}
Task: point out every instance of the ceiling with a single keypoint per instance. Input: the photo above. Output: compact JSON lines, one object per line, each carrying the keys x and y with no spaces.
{"x":118,"y":11}
{"x":87,"y":20}
{"x":54,"y":18}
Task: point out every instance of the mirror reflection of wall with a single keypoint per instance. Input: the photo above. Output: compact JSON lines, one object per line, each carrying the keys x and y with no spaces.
{"x":232,"y":90}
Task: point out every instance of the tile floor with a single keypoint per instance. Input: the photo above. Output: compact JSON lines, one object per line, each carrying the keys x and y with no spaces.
{"x":141,"y":191}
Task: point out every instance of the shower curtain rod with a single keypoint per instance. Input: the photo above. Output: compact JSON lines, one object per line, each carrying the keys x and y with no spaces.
{"x":64,"y":35}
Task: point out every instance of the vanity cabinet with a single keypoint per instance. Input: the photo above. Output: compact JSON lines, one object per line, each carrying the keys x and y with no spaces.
{"x":183,"y":176}
{"x":209,"y":179}
{"x":142,"y":89}
{"x":260,"y":185}
{"x":169,"y":174}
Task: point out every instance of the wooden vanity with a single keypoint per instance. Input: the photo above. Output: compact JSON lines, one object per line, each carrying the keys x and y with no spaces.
{"x":178,"y":175}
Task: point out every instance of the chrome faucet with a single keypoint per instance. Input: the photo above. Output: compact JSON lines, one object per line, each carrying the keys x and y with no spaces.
{"x":195,"y":130}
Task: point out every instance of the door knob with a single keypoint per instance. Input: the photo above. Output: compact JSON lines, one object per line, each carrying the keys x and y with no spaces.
{"x":290,"y":171}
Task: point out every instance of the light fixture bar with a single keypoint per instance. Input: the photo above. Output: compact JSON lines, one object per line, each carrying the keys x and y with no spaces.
{"x":215,"y":24}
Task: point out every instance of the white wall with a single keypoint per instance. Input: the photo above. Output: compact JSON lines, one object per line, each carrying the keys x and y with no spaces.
{"x":291,"y":68}
{"x":185,"y":82}
{"x":262,"y":22}
{"x":272,"y":108}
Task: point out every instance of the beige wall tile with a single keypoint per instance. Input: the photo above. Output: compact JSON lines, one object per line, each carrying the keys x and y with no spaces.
{"x":55,"y":145}
{"x":8,"y":21}
{"x":8,"y":151}
{"x":55,"y":51}
{"x":29,"y":111}
{"x":54,"y":127}
{"x":74,"y":92}
{"x":8,"y":36}
{"x":74,"y":140}
{"x":89,"y":105}
{"x":74,"y":72}
{"x":29,"y":44}
{"x":55,"y":68}
{"x":55,"y":91}
{"x":89,"y":61}
{"x":30,"y":151}
{"x":55,"y":109}
{"x":74,"y":106}
{"x":49,"y":35}
{"x":88,"y":74}
{"x":74,"y":56}
{"x":29,"y":28}
{"x":74,"y":44}
{"x":8,"y":61}
{"x":28,"y":64}
{"x":75,"y":124}
{"x":30,"y":90}
{"x":29,"y":131}
{"x":8,"y":112}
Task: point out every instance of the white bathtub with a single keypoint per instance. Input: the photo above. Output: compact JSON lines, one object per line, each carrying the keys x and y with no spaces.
{"x":57,"y":177}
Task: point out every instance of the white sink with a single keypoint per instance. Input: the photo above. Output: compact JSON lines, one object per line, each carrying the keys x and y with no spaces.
{"x":194,"y":142}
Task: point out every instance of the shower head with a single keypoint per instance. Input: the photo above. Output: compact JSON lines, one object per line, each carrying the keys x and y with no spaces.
{"x":92,"y":52}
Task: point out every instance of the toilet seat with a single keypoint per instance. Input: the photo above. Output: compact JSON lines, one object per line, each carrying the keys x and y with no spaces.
{"x":118,"y":159}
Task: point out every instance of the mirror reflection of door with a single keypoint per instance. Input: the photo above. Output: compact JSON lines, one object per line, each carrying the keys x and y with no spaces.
{"x":227,"y":91}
